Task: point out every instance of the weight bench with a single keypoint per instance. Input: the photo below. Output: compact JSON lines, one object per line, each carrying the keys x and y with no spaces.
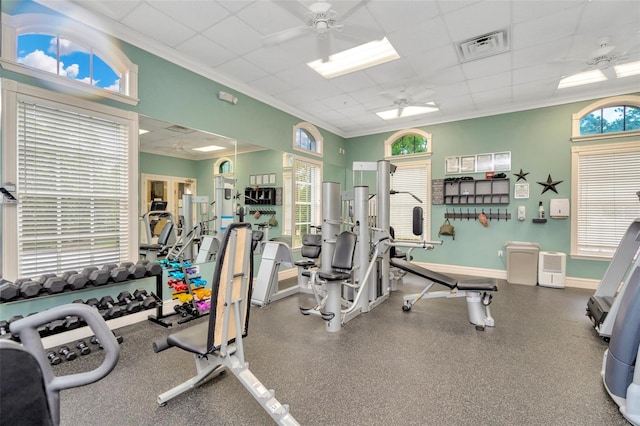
{"x":475,"y":291}
{"x":218,"y":343}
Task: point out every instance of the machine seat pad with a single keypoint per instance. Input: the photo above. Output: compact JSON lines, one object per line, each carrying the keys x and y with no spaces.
{"x":192,"y":339}
{"x":150,"y":247}
{"x":305,"y":263}
{"x":479,"y":284}
{"x":334,"y":276}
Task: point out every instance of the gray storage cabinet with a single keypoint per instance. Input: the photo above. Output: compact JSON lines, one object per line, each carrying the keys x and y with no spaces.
{"x":522,"y":262}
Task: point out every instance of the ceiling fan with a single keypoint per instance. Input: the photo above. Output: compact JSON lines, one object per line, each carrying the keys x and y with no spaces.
{"x":405,"y":103}
{"x":322,"y":21}
{"x":605,"y":56}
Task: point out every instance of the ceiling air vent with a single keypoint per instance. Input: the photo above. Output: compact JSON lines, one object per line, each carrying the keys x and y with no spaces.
{"x":486,"y":45}
{"x":180,"y":129}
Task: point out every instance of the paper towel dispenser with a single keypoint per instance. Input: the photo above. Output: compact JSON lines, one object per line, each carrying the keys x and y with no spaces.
{"x":559,"y":208}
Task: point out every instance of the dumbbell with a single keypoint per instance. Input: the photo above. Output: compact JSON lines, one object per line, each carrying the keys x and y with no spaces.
{"x":112,"y":310}
{"x":74,"y":280}
{"x":148,"y":302}
{"x":53,"y":358}
{"x":96,"y":276}
{"x":82,"y":346}
{"x":28,"y":287}
{"x":132,"y":305}
{"x":52,"y":283}
{"x":4,"y":330}
{"x":67,"y":353}
{"x":153,"y":268}
{"x":136,"y":271}
{"x":9,"y":291}
{"x":95,"y":341}
{"x":117,"y":273}
{"x":69,"y":323}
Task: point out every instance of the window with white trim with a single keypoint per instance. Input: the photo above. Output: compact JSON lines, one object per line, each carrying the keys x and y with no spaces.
{"x":605,"y":185}
{"x":56,"y":51}
{"x":614,"y":117}
{"x":407,"y":143}
{"x":411,"y":179}
{"x":307,"y":138}
{"x":75,"y":168}
{"x":307,"y":190}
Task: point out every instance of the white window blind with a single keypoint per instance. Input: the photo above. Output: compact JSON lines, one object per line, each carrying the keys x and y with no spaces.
{"x":607,"y":182}
{"x":72,"y":186}
{"x":411,"y":178}
{"x":307,"y":195}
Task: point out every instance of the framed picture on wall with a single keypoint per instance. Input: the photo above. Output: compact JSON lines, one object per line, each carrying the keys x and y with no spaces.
{"x":521,"y":190}
{"x":468,"y":164}
{"x":452,"y":165}
{"x":252,"y":179}
{"x":484,"y":162}
{"x":502,"y":161}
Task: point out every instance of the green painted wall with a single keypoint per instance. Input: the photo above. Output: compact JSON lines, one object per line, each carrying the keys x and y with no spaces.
{"x":539,"y":141}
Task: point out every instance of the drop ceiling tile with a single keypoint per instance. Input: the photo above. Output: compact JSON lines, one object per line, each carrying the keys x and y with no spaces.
{"x":155,"y":24}
{"x":544,"y":29}
{"x":235,"y":5}
{"x":487,"y":66}
{"x":395,"y":15}
{"x":546,"y":53}
{"x":490,"y":82}
{"x":234,"y":35}
{"x":114,"y":9}
{"x":338,"y":101}
{"x":195,"y":14}
{"x":270,"y":85}
{"x":492,"y":98}
{"x":272,"y":59}
{"x":600,"y":16}
{"x":242,"y":70}
{"x":353,"y":82}
{"x":205,"y":50}
{"x":432,"y":61}
{"x":278,"y":19}
{"x":300,"y":76}
{"x":478,"y":19}
{"x":536,"y":90}
{"x":534,"y":73}
{"x":533,"y":9}
{"x":448,"y":6}
{"x":420,"y":37}
{"x":389,"y":72}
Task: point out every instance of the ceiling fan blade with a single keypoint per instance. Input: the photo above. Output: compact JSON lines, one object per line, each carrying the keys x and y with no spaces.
{"x":400,"y":109}
{"x":351,"y":11}
{"x":285,"y":35}
{"x":324,"y":47}
{"x":359,"y":34}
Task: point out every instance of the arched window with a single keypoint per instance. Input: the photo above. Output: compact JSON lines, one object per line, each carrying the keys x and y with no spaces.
{"x":68,"y":54}
{"x":613,"y":117}
{"x":223,"y":166}
{"x":307,"y":138}
{"x":409,"y":142}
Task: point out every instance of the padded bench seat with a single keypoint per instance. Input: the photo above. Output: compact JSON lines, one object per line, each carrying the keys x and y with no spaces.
{"x":480,"y":284}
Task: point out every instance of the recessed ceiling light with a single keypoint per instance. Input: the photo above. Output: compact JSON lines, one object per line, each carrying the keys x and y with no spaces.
{"x":407,"y":111}
{"x":579,"y":79}
{"x":209,"y":148}
{"x":628,"y":69}
{"x":142,"y":131}
{"x":358,"y":58}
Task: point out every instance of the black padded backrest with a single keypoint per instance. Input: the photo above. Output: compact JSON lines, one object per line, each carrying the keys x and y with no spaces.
{"x":345,"y":249}
{"x":311,"y":246}
{"x":23,"y":397}
{"x":163,"y":238}
{"x":392,"y":250}
{"x":256,"y":237}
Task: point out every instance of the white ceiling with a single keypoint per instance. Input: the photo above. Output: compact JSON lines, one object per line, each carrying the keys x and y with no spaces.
{"x":224,"y":40}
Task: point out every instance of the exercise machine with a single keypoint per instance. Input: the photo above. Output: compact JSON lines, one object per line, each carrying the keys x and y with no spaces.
{"x":603,"y":306}
{"x":157,"y":243}
{"x":265,"y":289}
{"x":620,"y":372}
{"x":475,"y":291}
{"x":30,"y":390}
{"x":218,"y":344}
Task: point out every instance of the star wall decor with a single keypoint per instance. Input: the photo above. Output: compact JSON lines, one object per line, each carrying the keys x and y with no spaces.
{"x":521,"y":176}
{"x":550,"y":185}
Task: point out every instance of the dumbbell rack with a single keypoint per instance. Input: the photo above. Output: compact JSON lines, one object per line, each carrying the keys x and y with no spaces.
{"x":159,"y":318}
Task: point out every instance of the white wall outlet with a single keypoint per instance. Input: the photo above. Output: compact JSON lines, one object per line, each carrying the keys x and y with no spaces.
{"x":500,"y":253}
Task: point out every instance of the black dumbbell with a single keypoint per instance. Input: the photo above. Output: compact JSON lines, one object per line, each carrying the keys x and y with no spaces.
{"x":95,"y":341}
{"x":132,"y":305}
{"x":53,"y":358}
{"x":117,"y":273}
{"x":10,"y":291}
{"x":112,"y":310}
{"x":28,"y":288}
{"x":153,"y":269}
{"x":74,"y":280}
{"x":52,"y":283}
{"x":96,"y":276}
{"x":68,"y":323}
{"x":67,"y":353}
{"x":82,"y":346}
{"x":148,"y":302}
{"x":4,"y":330}
{"x":137,"y":271}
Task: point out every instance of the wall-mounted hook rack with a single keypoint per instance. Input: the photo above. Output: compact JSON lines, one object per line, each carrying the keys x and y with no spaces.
{"x":468,"y":215}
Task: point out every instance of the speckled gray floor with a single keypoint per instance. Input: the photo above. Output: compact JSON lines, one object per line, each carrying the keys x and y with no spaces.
{"x":540,"y":365}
